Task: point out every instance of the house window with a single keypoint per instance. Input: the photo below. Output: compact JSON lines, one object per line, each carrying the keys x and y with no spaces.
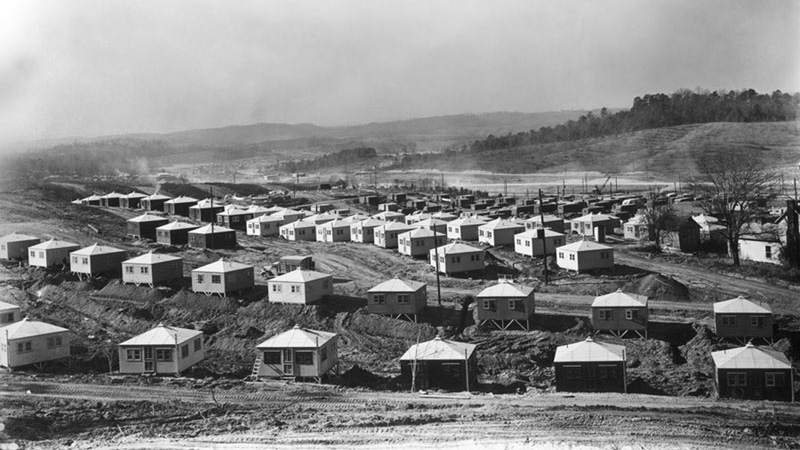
{"x":85,"y":261}
{"x":572,"y":372}
{"x":606,"y":314}
{"x":23,"y":347}
{"x":216,"y":279}
{"x":572,"y":257}
{"x":54,"y":341}
{"x":7,"y":317}
{"x":527,"y":243}
{"x":489,"y":305}
{"x":272,"y":357}
{"x":201,"y":279}
{"x":737,"y":379}
{"x":728,"y":321}
{"x":768,"y":252}
{"x":144,"y":270}
{"x":631,"y":314}
{"x":304,"y":358}
{"x":163,"y":354}
{"x":774,"y":379}
{"x":133,"y":354}
{"x":41,"y":254}
{"x":287,"y":355}
{"x":403,"y":298}
{"x":184,"y":351}
{"x":519,"y":241}
{"x":74,"y":260}
{"x":379,"y":299}
{"x":33,"y":254}
{"x":757,"y":321}
{"x":607,"y":372}
{"x":276,"y":287}
{"x":128,"y":269}
{"x":560,"y":255}
{"x":198,"y":344}
{"x":512,"y":305}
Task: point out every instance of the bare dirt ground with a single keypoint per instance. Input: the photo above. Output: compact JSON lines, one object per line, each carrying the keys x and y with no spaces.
{"x":77,"y":405}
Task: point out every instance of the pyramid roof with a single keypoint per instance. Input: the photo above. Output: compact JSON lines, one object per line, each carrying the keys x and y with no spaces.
{"x":582,"y":246}
{"x":336,"y":223}
{"x":368,"y":223}
{"x":298,"y":338}
{"x":467,"y":221}
{"x":741,"y":305}
{"x":163,"y":335}
{"x":388,"y":215}
{"x":456,"y":248}
{"x":505,"y":288}
{"x":299,"y":224}
{"x":398,"y":285}
{"x":157,"y":197}
{"x":265,"y":218}
{"x":97,"y":249}
{"x":619,"y":299}
{"x":301,"y":276}
{"x":208,"y":229}
{"x":439,"y":349}
{"x":147,"y":218}
{"x":136,"y":195}
{"x":592,"y":218}
{"x":26,"y":328}
{"x":113,"y":195}
{"x":223,"y":266}
{"x":395,"y":226}
{"x":534,"y":234}
{"x":501,"y":224}
{"x":750,"y":357}
{"x":182,"y":199}
{"x":206,"y":203}
{"x":6,"y":306}
{"x":17,"y":237}
{"x":547,"y":218}
{"x":51,"y":244}
{"x":177,"y":226}
{"x":590,"y":351}
{"x":152,"y":258}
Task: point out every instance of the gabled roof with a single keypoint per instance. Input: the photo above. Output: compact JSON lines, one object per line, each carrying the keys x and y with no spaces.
{"x":619,"y":299}
{"x":210,"y":228}
{"x":152,"y":258}
{"x":394,"y":226}
{"x":534,"y":234}
{"x":6,"y":306}
{"x":368,"y":223}
{"x":501,"y":224}
{"x":750,"y":357}
{"x":741,"y":305}
{"x":439,"y":349}
{"x":52,"y":244}
{"x":177,"y":226}
{"x":592,"y":218}
{"x":16,"y":237}
{"x":300,"y":276}
{"x":182,"y":199}
{"x":26,"y":328}
{"x":298,"y":338}
{"x":590,"y":351}
{"x":147,"y":218}
{"x":505,"y":288}
{"x":456,"y":248}
{"x":547,"y":218}
{"x":583,"y":246}
{"x":97,"y":249}
{"x":163,"y":335}
{"x":466,"y":221}
{"x":222,"y":266}
{"x":398,"y":285}
{"x":157,"y":197}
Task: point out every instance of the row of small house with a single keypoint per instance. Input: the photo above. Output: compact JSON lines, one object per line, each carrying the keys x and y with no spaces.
{"x":749,"y":372}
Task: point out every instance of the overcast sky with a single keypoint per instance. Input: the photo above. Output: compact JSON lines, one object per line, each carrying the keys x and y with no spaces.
{"x":88,"y":68}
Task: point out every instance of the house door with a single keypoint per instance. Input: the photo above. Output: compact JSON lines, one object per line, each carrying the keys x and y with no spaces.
{"x":288,"y":361}
{"x":149,"y":363}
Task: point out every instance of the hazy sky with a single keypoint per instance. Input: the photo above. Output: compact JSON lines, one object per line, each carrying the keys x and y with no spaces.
{"x":87,"y":68}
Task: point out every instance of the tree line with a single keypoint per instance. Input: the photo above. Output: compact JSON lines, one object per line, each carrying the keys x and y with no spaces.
{"x":340,"y":158}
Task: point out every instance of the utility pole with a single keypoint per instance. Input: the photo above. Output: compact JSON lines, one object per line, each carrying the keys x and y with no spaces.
{"x":542,"y":234}
{"x":436,"y":255}
{"x":213,"y":216}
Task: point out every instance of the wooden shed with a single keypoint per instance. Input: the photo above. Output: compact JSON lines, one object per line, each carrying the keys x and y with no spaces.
{"x":753,"y":373}
{"x":29,"y":342}
{"x":440,"y":364}
{"x":161,"y":350}
{"x":636,"y":228}
{"x":419,"y":242}
{"x":132,"y":200}
{"x":264,"y":225}
{"x":223,"y":278}
{"x":297,"y":353}
{"x":337,"y":230}
{"x":51,"y":253}
{"x":174,"y":233}
{"x":506,"y":304}
{"x":144,"y":226}
{"x":531,"y":243}
{"x":15,"y":246}
{"x":741,"y":319}
{"x":152,"y":269}
{"x":499,"y":232}
{"x":179,"y":206}
{"x":300,"y":287}
{"x":206,"y":210}
{"x":9,"y":313}
{"x":154,"y":202}
{"x":385,"y":235}
{"x":364,"y":231}
{"x":456,"y":258}
{"x":590,"y":366}
{"x":620,"y":313}
{"x":585,"y":255}
{"x":685,"y":237}
{"x":464,"y":228}
{"x":764,"y":248}
{"x":298,"y":231}
{"x":212,"y":236}
{"x":552,"y":222}
{"x":398,"y":298}
{"x":96,"y":260}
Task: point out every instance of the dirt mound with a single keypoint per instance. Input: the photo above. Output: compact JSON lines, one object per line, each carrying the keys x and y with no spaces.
{"x":116,"y":289}
{"x":358,"y":377}
{"x":658,"y":287}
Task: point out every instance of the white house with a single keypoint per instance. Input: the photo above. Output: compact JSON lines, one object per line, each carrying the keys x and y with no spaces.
{"x":300,"y":287}
{"x":465,"y":228}
{"x":51,"y":253}
{"x":337,"y":230}
{"x":584,"y":255}
{"x":552,"y":222}
{"x":759,"y":248}
{"x":585,"y":225}
{"x":162,"y":350}
{"x":264,"y":225}
{"x":385,"y":235}
{"x":363,"y":231}
{"x":15,"y":246}
{"x":151,"y":269}
{"x":96,"y":260}
{"x":32,"y":342}
{"x":529,"y":243}
{"x":223,"y":278}
{"x":419,"y":242}
{"x":499,"y":232}
{"x":398,"y":298}
{"x":298,"y":231}
{"x":390,"y":216}
{"x":456,"y":258}
{"x":299,"y":353}
{"x":636,"y":228}
{"x":9,"y":313}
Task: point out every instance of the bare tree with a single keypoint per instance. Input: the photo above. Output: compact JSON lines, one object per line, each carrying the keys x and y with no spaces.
{"x":729,"y":188}
{"x":658,"y":218}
